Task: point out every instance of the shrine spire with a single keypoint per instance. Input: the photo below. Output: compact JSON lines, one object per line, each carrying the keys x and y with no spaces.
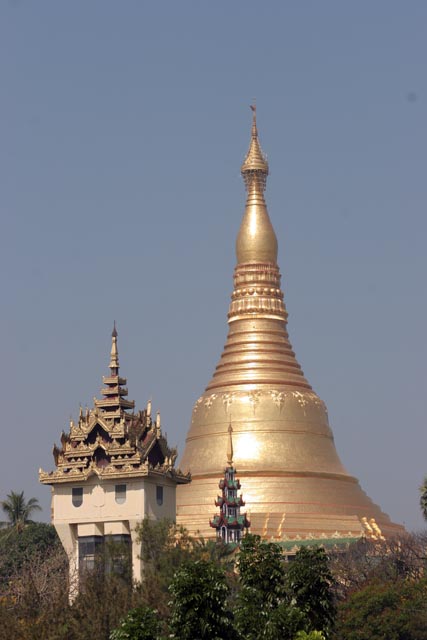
{"x":114,"y":356}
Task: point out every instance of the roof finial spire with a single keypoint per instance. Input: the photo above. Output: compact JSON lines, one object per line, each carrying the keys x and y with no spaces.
{"x":230,"y":446}
{"x":254,"y":128}
{"x":114,"y":357}
{"x":255,"y":166}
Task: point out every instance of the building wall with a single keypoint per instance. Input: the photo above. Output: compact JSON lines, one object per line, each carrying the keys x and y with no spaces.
{"x":99,"y":501}
{"x":100,"y":514}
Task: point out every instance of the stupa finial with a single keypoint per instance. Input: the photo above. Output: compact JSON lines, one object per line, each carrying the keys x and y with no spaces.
{"x":256,"y":241}
{"x":254,"y":127}
{"x":230,"y":446}
{"x":114,"y":357}
{"x":255,"y":165}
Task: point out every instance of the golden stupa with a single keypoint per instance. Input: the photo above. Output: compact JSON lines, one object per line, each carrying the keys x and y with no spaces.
{"x":293,"y":482}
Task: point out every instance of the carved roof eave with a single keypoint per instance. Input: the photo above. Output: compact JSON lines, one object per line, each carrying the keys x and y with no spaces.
{"x":142,"y":471}
{"x":174,"y":474}
{"x":224,"y":483}
{"x":73,"y":476}
{"x":100,"y":403}
{"x":87,"y":450}
{"x":114,"y":380}
{"x":231,"y":522}
{"x":83,"y":429}
{"x":87,"y":454}
{"x":79,"y":434}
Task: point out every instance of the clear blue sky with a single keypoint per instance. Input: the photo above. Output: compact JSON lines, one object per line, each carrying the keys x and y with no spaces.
{"x":122,"y":129}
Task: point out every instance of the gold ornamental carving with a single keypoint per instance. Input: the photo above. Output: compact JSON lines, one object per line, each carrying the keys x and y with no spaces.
{"x":109,"y":441}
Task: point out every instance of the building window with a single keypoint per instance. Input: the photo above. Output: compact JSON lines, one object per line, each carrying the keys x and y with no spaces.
{"x":77,"y":496}
{"x":120,"y":493}
{"x":159,"y":495}
{"x":118,"y":555}
{"x":90,"y":553}
{"x":109,"y":555}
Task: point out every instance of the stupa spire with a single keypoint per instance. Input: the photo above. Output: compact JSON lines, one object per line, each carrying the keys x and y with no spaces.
{"x":255,"y":164}
{"x":258,"y":350}
{"x":256,"y":241}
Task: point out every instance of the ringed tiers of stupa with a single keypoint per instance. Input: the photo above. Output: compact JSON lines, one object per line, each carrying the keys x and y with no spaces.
{"x":294,"y":484}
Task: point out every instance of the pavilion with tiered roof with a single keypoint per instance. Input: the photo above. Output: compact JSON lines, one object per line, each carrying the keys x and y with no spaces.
{"x":114,"y":467}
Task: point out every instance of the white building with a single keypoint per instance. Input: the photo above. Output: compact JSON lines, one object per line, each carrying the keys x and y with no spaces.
{"x":114,"y":468}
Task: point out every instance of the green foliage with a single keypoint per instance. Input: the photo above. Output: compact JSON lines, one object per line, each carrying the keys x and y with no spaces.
{"x":141,"y":623}
{"x":18,"y":510}
{"x":164,"y":549}
{"x":423,"y":498}
{"x":382,"y":590}
{"x":310,"y":582}
{"x":261,"y":567}
{"x":283,"y":622}
{"x":199,"y":603}
{"x":18,"y":546}
{"x":100,"y":605}
{"x":392,"y":611}
{"x":277,"y":600}
{"x":263,"y":608}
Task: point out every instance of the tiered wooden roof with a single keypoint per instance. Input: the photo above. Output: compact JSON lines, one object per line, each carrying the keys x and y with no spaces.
{"x":111,"y":440}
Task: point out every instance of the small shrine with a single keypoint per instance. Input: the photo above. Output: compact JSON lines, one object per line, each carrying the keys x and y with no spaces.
{"x":230,"y":523}
{"x":113,"y":469}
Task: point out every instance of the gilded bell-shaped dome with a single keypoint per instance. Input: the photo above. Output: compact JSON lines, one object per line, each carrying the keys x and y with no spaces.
{"x":294,"y":483}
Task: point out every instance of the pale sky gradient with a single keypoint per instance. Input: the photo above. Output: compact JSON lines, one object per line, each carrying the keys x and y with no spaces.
{"x":122,"y":129}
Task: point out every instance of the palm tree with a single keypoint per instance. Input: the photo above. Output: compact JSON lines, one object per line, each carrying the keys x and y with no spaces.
{"x":18,"y":510}
{"x":423,"y":498}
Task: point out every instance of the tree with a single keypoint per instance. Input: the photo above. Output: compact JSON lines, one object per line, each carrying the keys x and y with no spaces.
{"x":423,"y":498}
{"x":102,"y":601}
{"x":261,"y":567}
{"x":396,"y":611}
{"x":199,"y":603}
{"x":18,"y":546}
{"x":366,"y":561}
{"x":310,"y":582}
{"x":165,"y":547}
{"x":141,"y":623}
{"x":263,"y":607}
{"x":18,"y":510}
{"x":34,"y":599}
